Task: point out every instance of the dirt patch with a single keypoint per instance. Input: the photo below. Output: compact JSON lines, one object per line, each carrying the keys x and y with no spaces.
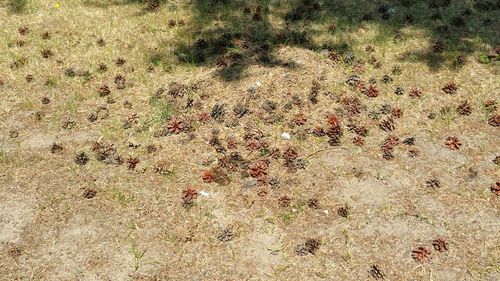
{"x":15,"y":215}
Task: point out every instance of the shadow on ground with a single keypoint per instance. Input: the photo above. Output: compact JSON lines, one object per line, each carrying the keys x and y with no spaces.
{"x":232,"y":34}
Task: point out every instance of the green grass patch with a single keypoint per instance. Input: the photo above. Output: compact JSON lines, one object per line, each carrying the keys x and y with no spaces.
{"x":162,"y":109}
{"x":17,"y":6}
{"x":3,"y":155}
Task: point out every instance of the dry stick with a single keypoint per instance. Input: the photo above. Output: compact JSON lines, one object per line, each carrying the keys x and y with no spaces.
{"x":321,"y":150}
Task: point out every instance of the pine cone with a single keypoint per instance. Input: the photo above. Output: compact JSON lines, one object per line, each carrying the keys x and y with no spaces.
{"x":386,"y":109}
{"x":47,"y":53}
{"x":413,"y":153}
{"x":106,"y":152}
{"x":450,"y":88}
{"x":391,"y":141}
{"x":453,"y":143}
{"x":334,"y":132}
{"x":226,"y":235}
{"x":409,"y":141}
{"x":353,"y":80}
{"x":376,"y":272}
{"x":120,"y":61}
{"x":333,"y":120}
{"x":240,"y":110}
{"x":460,"y":61}
{"x":290,"y":154}
{"x":188,"y":196}
{"x":301,"y":250}
{"x":496,"y":188}
{"x":371,"y":91}
{"x":352,"y":105}
{"x":360,"y":130}
{"x":388,"y":147}
{"x":387,"y":124}
{"x":319,"y":132}
{"x":438,"y":47}
{"x":433,"y":183}
{"x":421,"y":254}
{"x":204,"y":117}
{"x":464,"y":108}
{"x":153,"y":5}
{"x":253,"y":144}
{"x":387,"y":79}
{"x":334,"y":56}
{"x":313,"y":203}
{"x":300,"y":119}
{"x":120,"y":82}
{"x":440,"y":245}
{"x":397,"y":113}
{"x":175,"y":126}
{"x":312,"y":245}
{"x":89,"y":193}
{"x":132,"y":162}
{"x":284,"y":201}
{"x":208,"y":176}
{"x":494,"y":120}
{"x":415,"y":93}
{"x":490,"y":105}
{"x":259,"y":169}
{"x":81,"y":158}
{"x":55,"y":148}
{"x":104,"y":90}
{"x":358,"y":141}
{"x":218,"y":111}
{"x":343,"y":211}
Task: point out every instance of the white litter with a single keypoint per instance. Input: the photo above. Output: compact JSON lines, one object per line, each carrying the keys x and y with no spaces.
{"x":286,"y":136}
{"x":204,"y":193}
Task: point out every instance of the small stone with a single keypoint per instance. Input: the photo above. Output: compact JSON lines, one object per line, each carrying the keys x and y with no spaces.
{"x":251,"y":89}
{"x":285,"y":136}
{"x":250,"y":183}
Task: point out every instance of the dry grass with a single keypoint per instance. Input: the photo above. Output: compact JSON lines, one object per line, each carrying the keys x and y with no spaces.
{"x":115,"y":218}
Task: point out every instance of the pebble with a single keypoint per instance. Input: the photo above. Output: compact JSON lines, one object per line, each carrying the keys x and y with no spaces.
{"x":253,"y":88}
{"x":249,"y":183}
{"x":285,"y":136}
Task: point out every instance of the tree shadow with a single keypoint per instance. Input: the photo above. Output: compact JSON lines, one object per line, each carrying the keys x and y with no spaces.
{"x":15,"y":6}
{"x":456,"y":29}
{"x":147,"y":4}
{"x":233,"y":34}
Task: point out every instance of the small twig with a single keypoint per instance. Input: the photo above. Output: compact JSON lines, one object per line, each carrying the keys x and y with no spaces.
{"x":321,"y":150}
